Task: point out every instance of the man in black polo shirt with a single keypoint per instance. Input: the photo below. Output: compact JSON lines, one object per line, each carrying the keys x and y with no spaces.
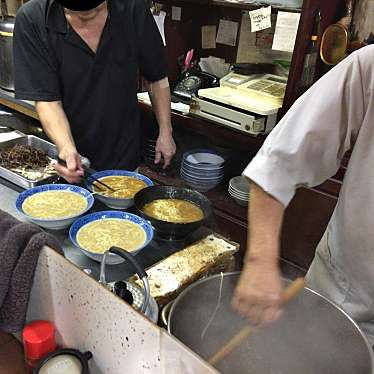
{"x":79,"y":61}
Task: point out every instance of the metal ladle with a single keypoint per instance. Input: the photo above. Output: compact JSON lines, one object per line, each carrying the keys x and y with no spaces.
{"x":139,"y":270}
{"x":335,"y":39}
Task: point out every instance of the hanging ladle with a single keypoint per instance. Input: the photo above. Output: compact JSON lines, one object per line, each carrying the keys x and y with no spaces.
{"x":335,"y":39}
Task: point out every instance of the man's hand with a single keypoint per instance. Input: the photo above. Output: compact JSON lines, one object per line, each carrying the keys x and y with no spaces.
{"x":73,"y":171}
{"x":165,"y":147}
{"x":258,"y":293}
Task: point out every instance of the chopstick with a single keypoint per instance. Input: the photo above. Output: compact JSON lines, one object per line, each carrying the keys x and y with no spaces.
{"x":87,"y":174}
{"x":289,"y":293}
{"x":103,"y":184}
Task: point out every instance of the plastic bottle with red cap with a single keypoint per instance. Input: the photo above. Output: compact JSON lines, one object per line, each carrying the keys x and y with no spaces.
{"x":38,"y":340}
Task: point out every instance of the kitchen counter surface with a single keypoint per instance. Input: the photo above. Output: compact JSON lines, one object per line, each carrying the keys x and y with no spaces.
{"x":154,"y":252}
{"x":22,"y":106}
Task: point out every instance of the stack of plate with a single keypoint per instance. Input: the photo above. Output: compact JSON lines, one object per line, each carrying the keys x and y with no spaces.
{"x":239,"y":190}
{"x":149,"y":150}
{"x":202,"y":169}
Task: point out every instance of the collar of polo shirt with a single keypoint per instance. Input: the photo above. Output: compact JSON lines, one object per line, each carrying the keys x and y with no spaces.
{"x":80,"y":5}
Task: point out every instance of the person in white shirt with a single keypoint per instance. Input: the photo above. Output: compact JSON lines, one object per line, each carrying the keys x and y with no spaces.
{"x":335,"y":115}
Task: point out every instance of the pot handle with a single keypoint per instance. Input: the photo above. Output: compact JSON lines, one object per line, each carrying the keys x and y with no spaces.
{"x":139,"y":270}
{"x":165,"y":312}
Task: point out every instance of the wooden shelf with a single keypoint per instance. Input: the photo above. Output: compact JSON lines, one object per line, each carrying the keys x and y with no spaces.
{"x":211,"y":129}
{"x":7,"y":99}
{"x":219,"y":197}
{"x":223,"y":3}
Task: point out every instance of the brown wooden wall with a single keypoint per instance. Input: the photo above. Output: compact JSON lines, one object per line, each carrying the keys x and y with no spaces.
{"x":309,"y":212}
{"x":305,"y":222}
{"x":186,"y":34}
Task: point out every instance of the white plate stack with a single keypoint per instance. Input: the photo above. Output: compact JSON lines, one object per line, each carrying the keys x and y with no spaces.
{"x":149,"y":150}
{"x":202,"y":169}
{"x":239,"y":190}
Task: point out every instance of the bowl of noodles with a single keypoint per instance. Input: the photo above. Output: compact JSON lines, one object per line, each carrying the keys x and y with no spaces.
{"x":54,"y":206}
{"x":95,"y":233}
{"x":174,"y":212}
{"x":124,"y":183}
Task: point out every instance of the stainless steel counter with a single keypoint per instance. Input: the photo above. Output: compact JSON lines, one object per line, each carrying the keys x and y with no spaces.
{"x":154,"y":252}
{"x":8,"y":197}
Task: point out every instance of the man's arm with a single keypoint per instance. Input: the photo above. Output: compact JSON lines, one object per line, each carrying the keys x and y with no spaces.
{"x":304,"y":149}
{"x":258,"y":293}
{"x":56,"y":125}
{"x":159,"y":93}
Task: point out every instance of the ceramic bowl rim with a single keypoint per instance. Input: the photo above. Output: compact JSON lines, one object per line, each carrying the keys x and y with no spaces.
{"x":110,"y":214}
{"x":108,"y":173}
{"x":202,"y":180}
{"x":233,"y":190}
{"x":205,"y":168}
{"x":54,"y":187}
{"x":237,"y":178}
{"x":204,"y":150}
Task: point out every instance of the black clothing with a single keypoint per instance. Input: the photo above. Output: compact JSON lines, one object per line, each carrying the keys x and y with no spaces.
{"x":97,"y":90}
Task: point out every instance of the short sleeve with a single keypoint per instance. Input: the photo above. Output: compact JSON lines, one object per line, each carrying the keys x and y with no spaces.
{"x":308,"y":144}
{"x":35,"y":73}
{"x":152,"y":56}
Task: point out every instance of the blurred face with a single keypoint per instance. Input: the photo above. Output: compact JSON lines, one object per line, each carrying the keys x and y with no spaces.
{"x":81,"y":6}
{"x":86,"y":15}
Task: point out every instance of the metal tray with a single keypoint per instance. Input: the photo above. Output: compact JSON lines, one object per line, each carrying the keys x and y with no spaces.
{"x":37,"y":143}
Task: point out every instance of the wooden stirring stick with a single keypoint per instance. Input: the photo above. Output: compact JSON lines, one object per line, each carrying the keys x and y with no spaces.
{"x":289,"y":293}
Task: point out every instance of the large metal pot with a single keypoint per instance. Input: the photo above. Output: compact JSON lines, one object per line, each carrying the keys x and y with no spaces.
{"x":6,"y":53}
{"x":312,"y":335}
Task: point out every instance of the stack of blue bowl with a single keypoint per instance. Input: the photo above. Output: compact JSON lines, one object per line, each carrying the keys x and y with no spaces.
{"x":202,"y":169}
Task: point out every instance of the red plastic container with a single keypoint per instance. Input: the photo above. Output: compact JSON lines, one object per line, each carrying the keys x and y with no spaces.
{"x":38,"y":340}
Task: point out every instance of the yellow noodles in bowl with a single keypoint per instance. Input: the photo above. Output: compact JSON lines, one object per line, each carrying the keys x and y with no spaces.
{"x":99,"y":236}
{"x":173,"y":210}
{"x":54,"y":205}
{"x":124,"y":187}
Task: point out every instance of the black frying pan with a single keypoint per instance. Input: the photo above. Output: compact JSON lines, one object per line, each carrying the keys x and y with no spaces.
{"x":168,"y":229}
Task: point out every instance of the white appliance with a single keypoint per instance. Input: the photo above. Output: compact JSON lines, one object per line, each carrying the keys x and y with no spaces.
{"x":246,"y":103}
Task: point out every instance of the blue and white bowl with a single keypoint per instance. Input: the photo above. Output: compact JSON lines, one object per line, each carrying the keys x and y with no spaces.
{"x":115,"y":202}
{"x":201,"y":186}
{"x":202,"y":173}
{"x":112,"y":259}
{"x":54,"y":224}
{"x":188,"y":175}
{"x":202,"y":169}
{"x":203,"y":158}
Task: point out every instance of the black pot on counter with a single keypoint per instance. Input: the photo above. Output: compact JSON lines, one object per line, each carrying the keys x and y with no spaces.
{"x":170,"y":230}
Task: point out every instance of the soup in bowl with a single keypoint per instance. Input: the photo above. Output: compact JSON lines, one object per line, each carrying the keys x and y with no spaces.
{"x":174,"y":212}
{"x":124,"y":183}
{"x":96,"y":233}
{"x":54,"y":206}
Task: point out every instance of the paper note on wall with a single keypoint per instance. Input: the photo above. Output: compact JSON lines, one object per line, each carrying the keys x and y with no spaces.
{"x":260,"y":19}
{"x":247,"y":41}
{"x":208,"y":36}
{"x":176,"y":13}
{"x":227,"y":32}
{"x":286,"y":31}
{"x":160,"y":21}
